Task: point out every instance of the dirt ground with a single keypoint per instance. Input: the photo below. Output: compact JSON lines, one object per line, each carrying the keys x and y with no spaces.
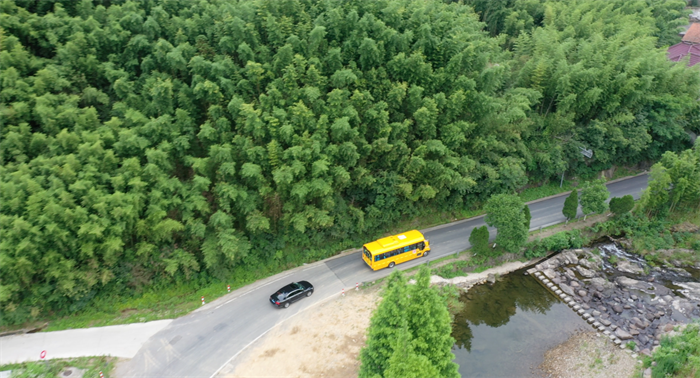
{"x":588,"y":355}
{"x":324,"y":341}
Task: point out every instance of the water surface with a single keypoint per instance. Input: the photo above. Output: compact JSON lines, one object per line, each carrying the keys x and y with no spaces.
{"x":505,"y":328}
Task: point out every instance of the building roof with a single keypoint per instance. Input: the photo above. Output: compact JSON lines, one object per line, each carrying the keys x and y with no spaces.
{"x":679,"y":51}
{"x":693,"y":33}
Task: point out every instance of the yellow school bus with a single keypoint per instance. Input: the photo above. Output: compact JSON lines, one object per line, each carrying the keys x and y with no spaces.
{"x":392,"y":250}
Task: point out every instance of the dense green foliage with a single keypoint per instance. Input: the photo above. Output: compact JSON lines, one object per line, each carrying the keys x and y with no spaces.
{"x":506,"y":213}
{"x":678,"y":356}
{"x":571,"y":205}
{"x":513,"y":17}
{"x":527,"y":216}
{"x":674,"y":181}
{"x":621,"y":205}
{"x":555,"y":243}
{"x":160,"y":141}
{"x":593,"y":197}
{"x":479,"y":241}
{"x":418,"y":316}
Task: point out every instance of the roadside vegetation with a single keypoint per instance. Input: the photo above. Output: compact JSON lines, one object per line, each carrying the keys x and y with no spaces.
{"x":91,"y":366}
{"x":677,"y":356}
{"x":157,"y":151}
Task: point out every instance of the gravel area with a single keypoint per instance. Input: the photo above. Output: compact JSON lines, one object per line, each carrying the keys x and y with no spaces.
{"x":588,"y":355}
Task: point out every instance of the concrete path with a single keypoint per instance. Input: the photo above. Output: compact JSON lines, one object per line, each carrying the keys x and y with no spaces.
{"x":117,"y":341}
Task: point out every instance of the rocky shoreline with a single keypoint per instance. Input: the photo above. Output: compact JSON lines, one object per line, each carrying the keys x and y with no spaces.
{"x":626,"y":299}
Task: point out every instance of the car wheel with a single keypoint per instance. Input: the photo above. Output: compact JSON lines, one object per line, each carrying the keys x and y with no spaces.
{"x":286,"y":305}
{"x":308,"y":293}
{"x":391,"y":264}
{"x":426,"y":253}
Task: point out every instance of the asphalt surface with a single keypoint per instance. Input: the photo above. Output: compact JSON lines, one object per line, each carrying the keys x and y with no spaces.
{"x":199,"y":344}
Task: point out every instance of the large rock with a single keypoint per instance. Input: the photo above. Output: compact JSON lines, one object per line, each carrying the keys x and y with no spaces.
{"x":617,"y":308}
{"x":629,"y":267}
{"x":622,"y":334}
{"x":683,"y":306}
{"x":566,"y":288}
{"x":585,"y":272}
{"x":690,"y":289}
{"x":549,"y":272}
{"x":630,"y":283}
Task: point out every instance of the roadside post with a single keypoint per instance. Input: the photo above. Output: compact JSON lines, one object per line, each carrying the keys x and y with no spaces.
{"x":228,"y":288}
{"x":202,"y":300}
{"x":357,"y":286}
{"x":42,"y":355}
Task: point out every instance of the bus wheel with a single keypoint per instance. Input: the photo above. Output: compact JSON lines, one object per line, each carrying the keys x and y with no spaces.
{"x":426,"y":253}
{"x":391,"y":264}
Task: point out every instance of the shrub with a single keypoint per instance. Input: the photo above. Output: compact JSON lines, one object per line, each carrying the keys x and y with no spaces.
{"x":479,"y":239}
{"x":555,"y":243}
{"x":621,"y":205}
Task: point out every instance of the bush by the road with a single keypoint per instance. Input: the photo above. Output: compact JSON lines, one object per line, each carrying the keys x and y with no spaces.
{"x":555,"y":243}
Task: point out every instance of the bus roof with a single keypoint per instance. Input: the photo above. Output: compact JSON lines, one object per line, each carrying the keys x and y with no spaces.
{"x":395,"y":241}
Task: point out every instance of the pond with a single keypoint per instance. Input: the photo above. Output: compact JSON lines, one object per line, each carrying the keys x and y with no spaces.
{"x":505,"y":328}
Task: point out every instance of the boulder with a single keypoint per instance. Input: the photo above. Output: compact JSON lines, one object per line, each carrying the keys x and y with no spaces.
{"x":626,"y":282}
{"x":574,"y":284}
{"x":491,"y":278}
{"x":691,"y":290}
{"x":585,"y":272}
{"x":617,"y":308}
{"x":622,"y":334}
{"x":582,"y":293}
{"x":627,"y":266}
{"x":549,"y":272}
{"x":683,"y":306}
{"x":566,"y":288}
{"x":605,"y":322}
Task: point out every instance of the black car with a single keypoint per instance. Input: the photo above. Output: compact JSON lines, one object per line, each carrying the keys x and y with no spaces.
{"x":291,"y":293}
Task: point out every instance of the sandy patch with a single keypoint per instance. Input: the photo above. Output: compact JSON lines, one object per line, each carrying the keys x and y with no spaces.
{"x":324,"y":341}
{"x":588,"y":355}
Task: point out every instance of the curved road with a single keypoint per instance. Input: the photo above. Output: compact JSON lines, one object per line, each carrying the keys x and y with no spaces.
{"x":200,"y":343}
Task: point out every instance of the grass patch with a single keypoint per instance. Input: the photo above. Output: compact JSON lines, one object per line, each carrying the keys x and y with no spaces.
{"x":546,"y":190}
{"x":52,"y":368}
{"x":678,"y":356}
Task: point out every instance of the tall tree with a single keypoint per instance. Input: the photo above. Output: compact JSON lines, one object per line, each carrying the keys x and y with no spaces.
{"x":593,"y":196}
{"x":405,"y":362}
{"x":571,"y":206}
{"x":527,"y":216}
{"x":505,"y":212}
{"x":385,"y":325}
{"x":479,"y":240}
{"x":430,"y":324}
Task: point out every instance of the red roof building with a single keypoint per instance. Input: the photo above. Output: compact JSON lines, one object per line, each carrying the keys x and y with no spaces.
{"x":690,"y":45}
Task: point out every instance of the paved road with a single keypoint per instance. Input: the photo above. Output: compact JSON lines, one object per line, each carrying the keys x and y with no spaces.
{"x":117,"y":341}
{"x":198,"y":344}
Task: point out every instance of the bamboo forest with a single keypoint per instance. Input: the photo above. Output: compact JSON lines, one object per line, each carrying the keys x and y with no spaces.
{"x":157,"y":142}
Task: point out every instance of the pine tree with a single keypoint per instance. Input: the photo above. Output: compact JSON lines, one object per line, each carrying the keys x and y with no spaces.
{"x":528,"y":217}
{"x":405,"y":362}
{"x":383,"y":330}
{"x":571,"y":205}
{"x":430,"y":324}
{"x":479,"y":240}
